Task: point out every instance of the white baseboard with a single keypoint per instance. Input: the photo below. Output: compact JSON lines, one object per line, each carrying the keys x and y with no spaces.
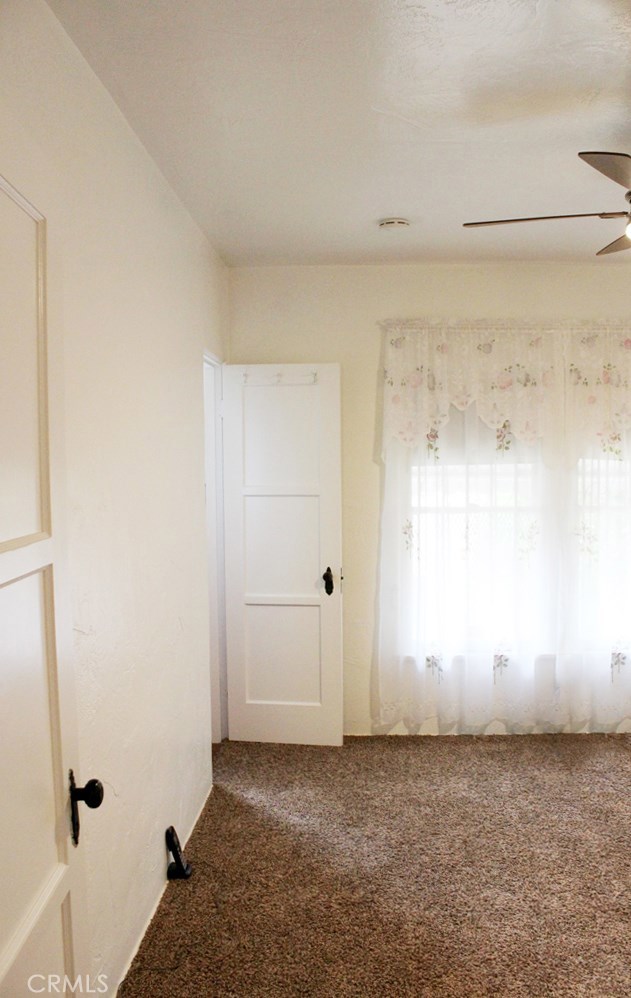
{"x":136,"y":947}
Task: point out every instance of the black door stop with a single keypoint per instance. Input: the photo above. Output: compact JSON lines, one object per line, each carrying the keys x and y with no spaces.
{"x":179,"y":869}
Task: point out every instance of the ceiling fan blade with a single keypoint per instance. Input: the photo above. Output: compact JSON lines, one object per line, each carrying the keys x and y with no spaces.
{"x":622,"y":243}
{"x":615,"y":165}
{"x":545,"y":218}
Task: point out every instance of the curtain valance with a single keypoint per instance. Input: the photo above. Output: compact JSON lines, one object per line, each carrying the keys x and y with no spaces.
{"x":558,"y":383}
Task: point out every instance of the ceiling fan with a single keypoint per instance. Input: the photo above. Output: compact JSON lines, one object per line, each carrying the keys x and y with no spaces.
{"x":616,"y":166}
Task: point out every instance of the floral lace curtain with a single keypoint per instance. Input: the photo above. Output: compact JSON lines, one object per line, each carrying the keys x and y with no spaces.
{"x":505,"y":574}
{"x":565,"y":385}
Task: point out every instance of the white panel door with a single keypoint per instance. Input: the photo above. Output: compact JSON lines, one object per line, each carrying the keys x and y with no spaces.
{"x":40,"y":881}
{"x":282,"y":508}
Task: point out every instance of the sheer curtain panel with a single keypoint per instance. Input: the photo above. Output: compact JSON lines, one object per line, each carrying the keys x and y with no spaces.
{"x":505,"y":559}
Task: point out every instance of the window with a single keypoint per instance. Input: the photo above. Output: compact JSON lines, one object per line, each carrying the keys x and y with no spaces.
{"x":505,"y":571}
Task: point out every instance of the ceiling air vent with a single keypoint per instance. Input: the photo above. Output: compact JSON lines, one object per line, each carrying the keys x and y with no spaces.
{"x":393,"y":223}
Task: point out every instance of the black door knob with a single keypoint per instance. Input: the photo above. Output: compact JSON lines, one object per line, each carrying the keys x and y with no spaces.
{"x":91,"y":794}
{"x":328,"y":581}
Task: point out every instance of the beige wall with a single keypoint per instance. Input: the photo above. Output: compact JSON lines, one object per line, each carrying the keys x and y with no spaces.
{"x":135,"y":296}
{"x":295,"y":314}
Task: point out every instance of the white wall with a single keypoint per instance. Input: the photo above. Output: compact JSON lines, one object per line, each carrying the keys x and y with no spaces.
{"x":135,"y":295}
{"x":295,"y":314}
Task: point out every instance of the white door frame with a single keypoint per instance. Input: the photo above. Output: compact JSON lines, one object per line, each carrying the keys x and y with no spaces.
{"x":215,"y":536}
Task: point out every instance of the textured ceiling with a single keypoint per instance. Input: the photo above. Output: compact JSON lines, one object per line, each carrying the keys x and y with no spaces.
{"x":290,"y":127}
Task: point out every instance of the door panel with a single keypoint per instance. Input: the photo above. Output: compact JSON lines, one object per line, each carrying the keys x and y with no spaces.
{"x":44,"y":952}
{"x":27,"y":759}
{"x":282,"y":544}
{"x":24,"y":499}
{"x":41,"y":878}
{"x":282,"y":654}
{"x":281,"y":446}
{"x":283,"y":530}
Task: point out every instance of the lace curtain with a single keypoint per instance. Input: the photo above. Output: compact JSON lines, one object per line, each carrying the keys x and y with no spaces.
{"x":505,"y":561}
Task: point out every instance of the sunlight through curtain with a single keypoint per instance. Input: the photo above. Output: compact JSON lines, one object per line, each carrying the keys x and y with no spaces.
{"x":505,"y":563}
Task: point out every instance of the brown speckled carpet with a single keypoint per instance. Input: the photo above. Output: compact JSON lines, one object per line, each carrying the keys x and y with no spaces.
{"x":463,"y":866}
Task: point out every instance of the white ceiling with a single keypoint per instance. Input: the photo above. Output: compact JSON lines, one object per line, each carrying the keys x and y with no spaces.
{"x":290,"y":127}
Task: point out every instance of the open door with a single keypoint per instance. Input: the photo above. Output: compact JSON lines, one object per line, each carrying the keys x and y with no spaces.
{"x":41,"y":914}
{"x":282,"y":510}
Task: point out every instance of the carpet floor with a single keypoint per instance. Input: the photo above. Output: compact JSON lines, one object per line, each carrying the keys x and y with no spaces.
{"x":454,"y":867}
